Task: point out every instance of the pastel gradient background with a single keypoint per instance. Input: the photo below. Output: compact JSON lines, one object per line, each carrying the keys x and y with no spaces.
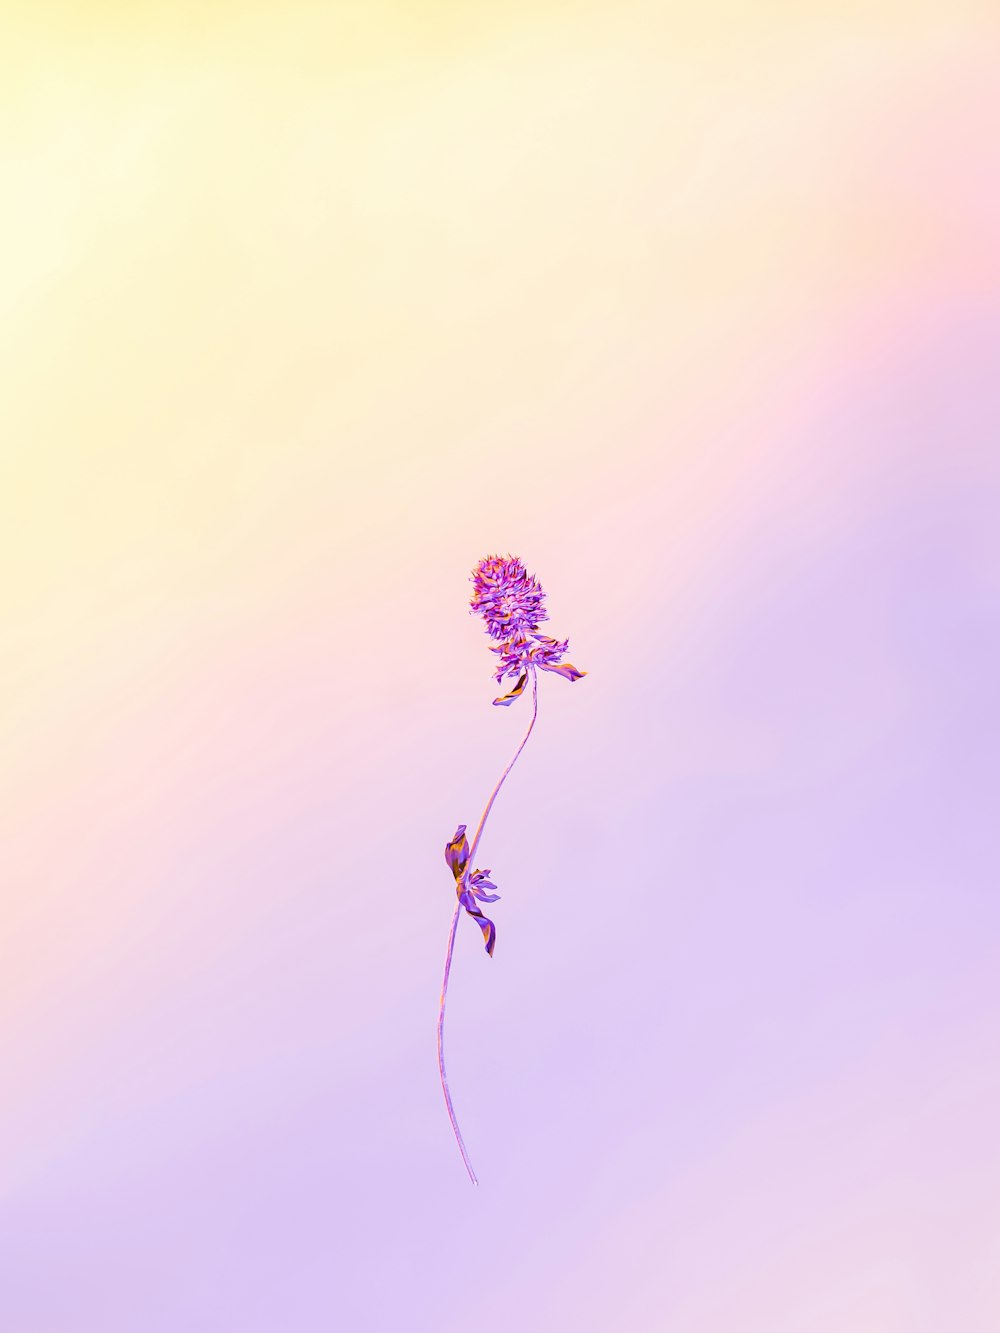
{"x":306,"y":307}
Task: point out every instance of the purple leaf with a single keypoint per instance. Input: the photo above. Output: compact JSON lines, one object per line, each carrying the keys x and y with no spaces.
{"x":456,"y":852}
{"x":479,"y":882}
{"x":483,"y":922}
{"x":507,"y":699}
{"x":565,"y":669}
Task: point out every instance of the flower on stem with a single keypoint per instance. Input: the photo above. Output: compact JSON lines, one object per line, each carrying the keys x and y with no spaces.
{"x":512,"y":603}
{"x":471,"y":887}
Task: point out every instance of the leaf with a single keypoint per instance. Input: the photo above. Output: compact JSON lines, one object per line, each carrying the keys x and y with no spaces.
{"x":565,"y":669}
{"x":483,"y":922}
{"x":479,"y":882}
{"x":456,"y":852}
{"x":507,"y":699}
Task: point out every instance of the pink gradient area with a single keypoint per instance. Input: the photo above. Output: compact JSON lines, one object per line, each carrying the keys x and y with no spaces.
{"x":698,"y":314}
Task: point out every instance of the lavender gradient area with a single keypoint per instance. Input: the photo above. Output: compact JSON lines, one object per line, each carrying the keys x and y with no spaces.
{"x":699,"y":313}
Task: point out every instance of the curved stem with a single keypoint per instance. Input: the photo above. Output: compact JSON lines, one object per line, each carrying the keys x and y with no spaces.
{"x":444,"y":1076}
{"x":503,"y":775}
{"x":454,"y":928}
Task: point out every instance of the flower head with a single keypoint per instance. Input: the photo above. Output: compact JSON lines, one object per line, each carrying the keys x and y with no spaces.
{"x":512,"y":603}
{"x":509,"y":599}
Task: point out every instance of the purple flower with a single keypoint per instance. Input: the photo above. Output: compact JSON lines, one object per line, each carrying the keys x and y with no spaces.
{"x":470,"y":887}
{"x":512,"y":604}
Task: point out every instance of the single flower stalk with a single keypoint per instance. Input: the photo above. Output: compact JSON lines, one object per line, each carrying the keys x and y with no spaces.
{"x":512,"y":604}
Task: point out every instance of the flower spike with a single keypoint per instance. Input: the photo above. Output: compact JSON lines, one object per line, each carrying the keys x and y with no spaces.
{"x":512,"y":604}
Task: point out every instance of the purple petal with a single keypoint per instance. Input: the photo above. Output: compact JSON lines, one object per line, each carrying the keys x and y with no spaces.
{"x":565,"y":669}
{"x":479,"y":882}
{"x":456,"y":852}
{"x":483,"y":922}
{"x":507,"y":699}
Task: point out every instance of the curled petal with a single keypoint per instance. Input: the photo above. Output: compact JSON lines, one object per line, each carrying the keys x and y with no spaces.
{"x":483,"y":922}
{"x":565,"y":669}
{"x":456,"y":852}
{"x":479,"y":882}
{"x":507,"y":699}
